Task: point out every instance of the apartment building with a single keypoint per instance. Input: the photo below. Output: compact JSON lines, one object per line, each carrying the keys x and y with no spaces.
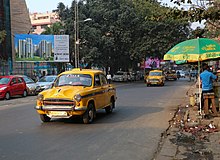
{"x":40,"y":21}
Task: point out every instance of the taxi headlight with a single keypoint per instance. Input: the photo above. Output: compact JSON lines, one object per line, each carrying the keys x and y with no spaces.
{"x":40,"y":97}
{"x":78,"y":97}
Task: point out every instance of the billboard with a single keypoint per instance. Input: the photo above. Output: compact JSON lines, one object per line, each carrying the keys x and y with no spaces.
{"x":152,"y":63}
{"x":41,"y":48}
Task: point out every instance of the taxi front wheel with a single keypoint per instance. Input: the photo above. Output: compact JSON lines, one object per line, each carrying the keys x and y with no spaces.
{"x":44,"y":118}
{"x":89,"y":115}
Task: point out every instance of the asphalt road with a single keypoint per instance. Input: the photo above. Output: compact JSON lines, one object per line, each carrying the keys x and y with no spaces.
{"x":131,"y":132}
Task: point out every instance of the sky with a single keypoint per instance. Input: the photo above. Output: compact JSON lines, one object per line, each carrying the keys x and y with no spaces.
{"x":49,"y":5}
{"x":45,"y":5}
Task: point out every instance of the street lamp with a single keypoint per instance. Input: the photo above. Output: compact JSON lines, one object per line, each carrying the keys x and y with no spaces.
{"x":76,"y":36}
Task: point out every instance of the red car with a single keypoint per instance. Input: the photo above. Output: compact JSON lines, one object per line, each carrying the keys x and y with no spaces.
{"x":12,"y":86}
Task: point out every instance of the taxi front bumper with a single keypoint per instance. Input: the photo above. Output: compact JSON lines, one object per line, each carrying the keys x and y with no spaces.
{"x":60,"y":108}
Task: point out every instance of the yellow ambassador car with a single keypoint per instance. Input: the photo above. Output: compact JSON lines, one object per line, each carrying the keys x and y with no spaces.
{"x":79,"y":92}
{"x":155,"y":77}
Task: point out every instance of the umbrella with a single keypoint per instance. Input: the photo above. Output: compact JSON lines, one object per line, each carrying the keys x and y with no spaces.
{"x":194,"y":50}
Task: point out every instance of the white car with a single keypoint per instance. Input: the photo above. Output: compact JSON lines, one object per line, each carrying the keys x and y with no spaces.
{"x":45,"y":82}
{"x":182,"y":74}
{"x":120,"y":76}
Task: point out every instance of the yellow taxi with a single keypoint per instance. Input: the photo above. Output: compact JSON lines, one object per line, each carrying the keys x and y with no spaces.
{"x":155,"y":77}
{"x":79,"y":92}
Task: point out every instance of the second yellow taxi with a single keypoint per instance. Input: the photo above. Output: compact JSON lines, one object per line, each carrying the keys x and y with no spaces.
{"x":155,"y":77}
{"x":79,"y":92}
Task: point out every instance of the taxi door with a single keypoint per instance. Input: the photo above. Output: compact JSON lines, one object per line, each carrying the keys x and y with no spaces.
{"x":105,"y":87}
{"x":99,"y":92}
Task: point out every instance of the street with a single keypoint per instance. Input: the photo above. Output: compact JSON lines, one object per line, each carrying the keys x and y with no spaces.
{"x":131,"y":132}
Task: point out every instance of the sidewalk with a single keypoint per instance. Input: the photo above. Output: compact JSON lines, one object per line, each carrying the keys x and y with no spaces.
{"x":189,"y":136}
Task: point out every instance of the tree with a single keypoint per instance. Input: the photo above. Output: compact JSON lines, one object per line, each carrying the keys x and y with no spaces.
{"x":123,"y":33}
{"x":55,"y":29}
{"x":199,"y":10}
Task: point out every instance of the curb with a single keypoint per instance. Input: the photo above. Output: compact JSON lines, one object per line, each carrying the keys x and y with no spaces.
{"x":189,"y":136}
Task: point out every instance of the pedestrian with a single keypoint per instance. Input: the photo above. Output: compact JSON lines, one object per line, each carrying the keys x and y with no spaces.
{"x":207,"y":78}
{"x":178,"y":74}
{"x":109,"y":78}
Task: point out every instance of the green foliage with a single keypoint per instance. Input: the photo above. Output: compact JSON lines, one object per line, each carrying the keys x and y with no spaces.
{"x":55,"y":29}
{"x":122,"y":32}
{"x":2,"y":36}
{"x":198,"y":11}
{"x":198,"y":32}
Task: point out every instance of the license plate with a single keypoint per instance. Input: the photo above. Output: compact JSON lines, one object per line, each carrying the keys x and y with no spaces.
{"x":154,"y":83}
{"x":58,"y":113}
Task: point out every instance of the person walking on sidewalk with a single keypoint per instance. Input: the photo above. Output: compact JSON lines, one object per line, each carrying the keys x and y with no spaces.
{"x":207,"y":78}
{"x":109,"y":78}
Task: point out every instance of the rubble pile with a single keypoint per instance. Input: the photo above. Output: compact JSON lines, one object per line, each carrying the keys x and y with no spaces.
{"x":191,"y":134}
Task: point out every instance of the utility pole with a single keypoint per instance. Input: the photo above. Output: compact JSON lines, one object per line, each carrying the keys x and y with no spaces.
{"x":76,"y":34}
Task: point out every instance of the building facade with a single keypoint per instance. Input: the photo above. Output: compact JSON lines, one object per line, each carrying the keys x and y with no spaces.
{"x":5,"y":46}
{"x":14,"y":19}
{"x":40,"y":21}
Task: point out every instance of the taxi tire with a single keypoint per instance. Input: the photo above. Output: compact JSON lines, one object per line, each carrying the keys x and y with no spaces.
{"x":110,"y":108}
{"x":89,"y":115}
{"x":7,"y":96}
{"x":44,"y":118}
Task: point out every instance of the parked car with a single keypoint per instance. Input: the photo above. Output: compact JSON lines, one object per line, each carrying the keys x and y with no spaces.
{"x":32,"y":86}
{"x":45,"y":82}
{"x":77,"y":93}
{"x":155,"y":77}
{"x":120,"y":76}
{"x":12,"y":86}
{"x":133,"y":76}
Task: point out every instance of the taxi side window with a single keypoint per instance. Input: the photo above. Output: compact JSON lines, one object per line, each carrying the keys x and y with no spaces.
{"x":103,"y":79}
{"x":97,"y":80}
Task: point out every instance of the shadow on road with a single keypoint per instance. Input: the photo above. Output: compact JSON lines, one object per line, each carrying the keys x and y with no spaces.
{"x":118,"y":115}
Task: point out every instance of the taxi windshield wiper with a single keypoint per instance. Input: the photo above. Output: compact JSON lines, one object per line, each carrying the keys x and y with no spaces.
{"x":80,"y":85}
{"x":64,"y":85}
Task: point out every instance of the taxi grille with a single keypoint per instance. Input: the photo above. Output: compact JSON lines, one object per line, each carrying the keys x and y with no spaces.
{"x":58,"y":102}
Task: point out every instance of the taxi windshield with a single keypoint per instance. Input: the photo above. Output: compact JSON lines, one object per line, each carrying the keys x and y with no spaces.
{"x":74,"y":80}
{"x":155,"y":74}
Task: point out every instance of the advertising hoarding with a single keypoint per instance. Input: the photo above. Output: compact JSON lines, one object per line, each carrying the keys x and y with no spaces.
{"x":41,"y":48}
